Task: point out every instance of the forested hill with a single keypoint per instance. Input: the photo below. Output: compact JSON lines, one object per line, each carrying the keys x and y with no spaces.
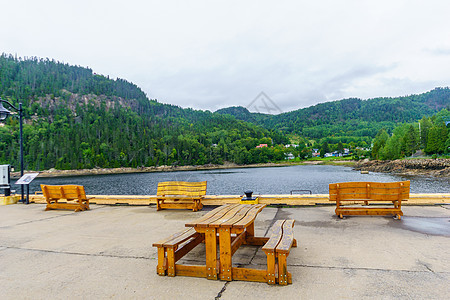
{"x":75,"y":118}
{"x":349,"y":119}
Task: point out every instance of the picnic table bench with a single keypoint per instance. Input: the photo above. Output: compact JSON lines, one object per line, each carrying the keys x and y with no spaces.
{"x":180,"y":195}
{"x":55,"y":193}
{"x":346,"y":194}
{"x":224,"y":230}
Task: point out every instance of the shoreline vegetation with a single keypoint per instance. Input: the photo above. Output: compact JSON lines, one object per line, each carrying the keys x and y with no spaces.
{"x":424,"y":167}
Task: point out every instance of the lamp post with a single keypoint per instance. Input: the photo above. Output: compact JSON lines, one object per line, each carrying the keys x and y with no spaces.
{"x":4,"y":113}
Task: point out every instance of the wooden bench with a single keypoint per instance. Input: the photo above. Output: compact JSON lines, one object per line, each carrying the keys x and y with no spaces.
{"x":171,"y":249}
{"x":348,"y":193}
{"x":277,"y":250}
{"x":180,"y":195}
{"x":54,"y":193}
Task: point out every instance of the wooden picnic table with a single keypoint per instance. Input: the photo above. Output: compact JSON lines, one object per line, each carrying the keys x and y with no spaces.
{"x":234,"y":225}
{"x":226,"y":228}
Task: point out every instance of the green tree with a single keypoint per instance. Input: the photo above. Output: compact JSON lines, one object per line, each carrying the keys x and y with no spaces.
{"x":425,"y":125}
{"x":379,"y":143}
{"x":340,"y":147}
{"x":324,"y":149}
{"x":409,"y":141}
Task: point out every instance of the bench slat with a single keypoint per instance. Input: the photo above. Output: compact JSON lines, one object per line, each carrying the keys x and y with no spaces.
{"x":284,"y":246}
{"x":174,"y":237}
{"x":275,"y":237}
{"x":68,"y":192}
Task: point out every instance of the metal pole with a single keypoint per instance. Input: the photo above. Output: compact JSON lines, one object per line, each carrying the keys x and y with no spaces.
{"x":21,"y":148}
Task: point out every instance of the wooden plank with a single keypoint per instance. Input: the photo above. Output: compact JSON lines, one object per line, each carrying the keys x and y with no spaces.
{"x":176,"y":205}
{"x":225,"y":217}
{"x":282,"y":269}
{"x":181,"y":188}
{"x":237,"y":217}
{"x":250,"y":216}
{"x":225,"y":254}
{"x":170,"y":262}
{"x":188,"y":246}
{"x":173,"y":243}
{"x":175,"y":235}
{"x":271,"y":267}
{"x":211,"y":216}
{"x":256,"y":241}
{"x":368,"y":211}
{"x":237,"y":242}
{"x":246,"y":274}
{"x":162,"y":262}
{"x":285,"y":244}
{"x":211,"y":253}
{"x":275,"y":237}
{"x":190,"y":271}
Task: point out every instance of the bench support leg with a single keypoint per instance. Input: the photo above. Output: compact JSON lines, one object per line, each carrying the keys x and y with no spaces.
{"x":170,"y":262}
{"x":211,"y":253}
{"x":271,"y":267}
{"x":225,"y":255}
{"x":282,"y":269}
{"x":162,"y":262}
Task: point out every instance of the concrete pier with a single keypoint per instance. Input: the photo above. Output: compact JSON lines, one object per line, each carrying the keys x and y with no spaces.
{"x":106,"y":253}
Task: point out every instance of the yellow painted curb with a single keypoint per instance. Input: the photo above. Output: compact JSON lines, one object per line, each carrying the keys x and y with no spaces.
{"x":5,"y":200}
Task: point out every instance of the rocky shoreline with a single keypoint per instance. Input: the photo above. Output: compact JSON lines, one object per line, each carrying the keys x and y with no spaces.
{"x":425,"y":167}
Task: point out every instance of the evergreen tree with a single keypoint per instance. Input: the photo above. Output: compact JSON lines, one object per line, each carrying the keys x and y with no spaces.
{"x":379,"y":143}
{"x":324,"y":149}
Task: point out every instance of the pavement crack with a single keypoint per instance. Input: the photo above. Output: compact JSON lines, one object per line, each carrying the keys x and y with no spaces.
{"x":219,"y":295}
{"x":79,"y":253}
{"x":362,"y":268}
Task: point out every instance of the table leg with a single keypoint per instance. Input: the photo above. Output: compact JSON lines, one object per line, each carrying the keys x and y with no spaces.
{"x":251,"y":230}
{"x":225,"y":254}
{"x":211,"y":253}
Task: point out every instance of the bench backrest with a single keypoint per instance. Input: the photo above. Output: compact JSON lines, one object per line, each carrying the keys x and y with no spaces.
{"x":181,"y":188}
{"x":68,"y":192}
{"x":389,"y":191}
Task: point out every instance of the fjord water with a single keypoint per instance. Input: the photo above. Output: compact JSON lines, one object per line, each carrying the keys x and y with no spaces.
{"x":273,"y":180}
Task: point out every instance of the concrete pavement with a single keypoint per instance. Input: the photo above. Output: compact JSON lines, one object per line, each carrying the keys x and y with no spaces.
{"x":106,"y":253}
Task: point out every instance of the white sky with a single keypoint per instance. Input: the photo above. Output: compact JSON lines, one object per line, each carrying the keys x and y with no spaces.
{"x":214,"y":54}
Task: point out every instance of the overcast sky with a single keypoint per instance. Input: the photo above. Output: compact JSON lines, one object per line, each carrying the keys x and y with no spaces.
{"x":215,"y":54}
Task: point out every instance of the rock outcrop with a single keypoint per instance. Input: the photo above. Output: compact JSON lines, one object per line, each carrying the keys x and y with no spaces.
{"x":427,"y":167}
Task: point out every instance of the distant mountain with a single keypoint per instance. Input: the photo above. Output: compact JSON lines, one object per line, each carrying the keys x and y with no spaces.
{"x":349,"y":119}
{"x":75,"y":118}
{"x":242,"y":113}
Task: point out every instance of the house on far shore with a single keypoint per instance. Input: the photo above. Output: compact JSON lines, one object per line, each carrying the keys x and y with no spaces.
{"x":261,"y":145}
{"x":289,"y":156}
{"x":315,"y":153}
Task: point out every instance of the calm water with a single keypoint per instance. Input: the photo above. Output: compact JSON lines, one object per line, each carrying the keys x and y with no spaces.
{"x":277,"y":180}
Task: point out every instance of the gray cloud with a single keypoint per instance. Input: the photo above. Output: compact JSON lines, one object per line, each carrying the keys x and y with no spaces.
{"x":214,"y":54}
